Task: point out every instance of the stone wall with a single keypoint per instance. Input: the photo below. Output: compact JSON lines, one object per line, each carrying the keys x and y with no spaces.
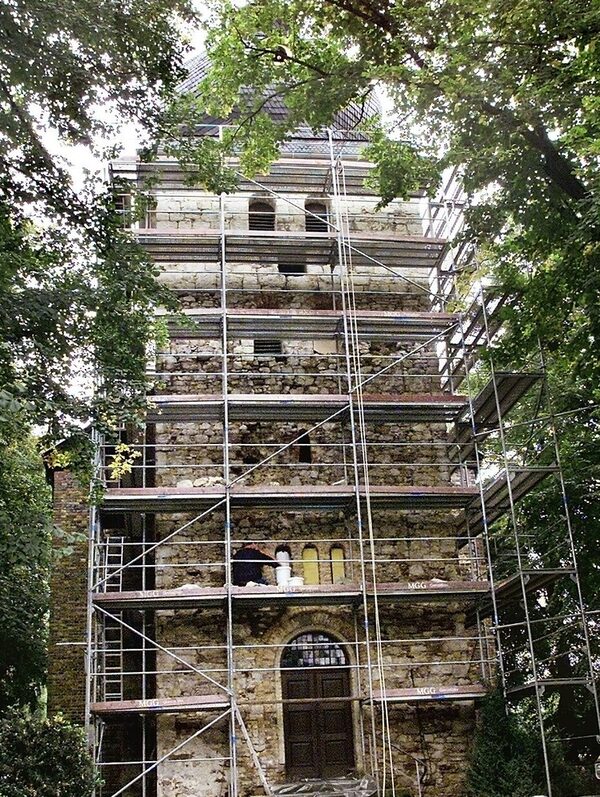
{"x":423,"y":644}
{"x":319,"y":288}
{"x":438,"y":735}
{"x":195,"y":366}
{"x":196,"y":211}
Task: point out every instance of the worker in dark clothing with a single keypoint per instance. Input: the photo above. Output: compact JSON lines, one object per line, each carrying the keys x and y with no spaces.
{"x":248,"y":563}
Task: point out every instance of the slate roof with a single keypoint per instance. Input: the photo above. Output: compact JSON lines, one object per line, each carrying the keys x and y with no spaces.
{"x":347,"y":119}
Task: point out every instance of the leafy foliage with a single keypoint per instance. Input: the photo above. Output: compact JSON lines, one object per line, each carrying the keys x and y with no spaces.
{"x":506,"y":760}
{"x":25,"y":534}
{"x":62,"y":63}
{"x":506,"y":93}
{"x":43,"y":758}
{"x":76,"y":294}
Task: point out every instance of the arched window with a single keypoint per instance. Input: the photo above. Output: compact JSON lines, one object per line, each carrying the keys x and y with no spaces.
{"x":315,"y":219}
{"x":310,"y":564}
{"x":338,"y":564}
{"x":314,"y":649}
{"x":261,"y":215}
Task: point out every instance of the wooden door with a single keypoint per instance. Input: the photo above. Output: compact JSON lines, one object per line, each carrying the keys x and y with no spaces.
{"x":319,"y":741}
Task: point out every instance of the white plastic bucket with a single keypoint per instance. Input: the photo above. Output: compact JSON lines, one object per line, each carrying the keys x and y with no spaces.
{"x":296,"y":581}
{"x":282,"y":574}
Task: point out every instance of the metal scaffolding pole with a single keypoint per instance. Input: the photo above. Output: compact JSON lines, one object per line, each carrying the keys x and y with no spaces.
{"x":233,"y":779}
{"x":461,"y":337}
{"x":360,"y":462}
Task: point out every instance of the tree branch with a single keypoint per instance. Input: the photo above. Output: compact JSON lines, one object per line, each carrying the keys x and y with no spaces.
{"x":25,"y":120}
{"x":557,"y":167}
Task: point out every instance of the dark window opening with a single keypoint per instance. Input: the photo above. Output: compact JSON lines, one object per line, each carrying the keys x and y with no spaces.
{"x":291,"y":268}
{"x":247,"y":459}
{"x":304,"y":449}
{"x":316,"y":217}
{"x":268,"y":346}
{"x":261,"y":216}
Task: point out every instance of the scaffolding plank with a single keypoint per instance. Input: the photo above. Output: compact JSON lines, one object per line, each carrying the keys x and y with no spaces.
{"x":510,"y":386}
{"x":287,"y":497}
{"x":509,"y":590}
{"x":179,"y":598}
{"x":197,"y":597}
{"x":403,"y":408}
{"x":318,"y":248}
{"x":544,"y":684}
{"x":206,"y":323}
{"x":427,"y":694}
{"x":432,"y":590}
{"x":496,"y":496}
{"x":165,"y":705}
{"x":306,"y":174}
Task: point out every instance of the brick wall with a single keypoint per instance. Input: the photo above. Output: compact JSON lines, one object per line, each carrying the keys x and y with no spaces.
{"x":66,"y":674}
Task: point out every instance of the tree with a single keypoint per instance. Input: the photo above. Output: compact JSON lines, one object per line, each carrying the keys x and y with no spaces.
{"x":506,"y":759}
{"x":81,"y":67}
{"x":43,"y":758}
{"x":25,"y":533}
{"x":76,"y":293}
{"x":505,"y":92}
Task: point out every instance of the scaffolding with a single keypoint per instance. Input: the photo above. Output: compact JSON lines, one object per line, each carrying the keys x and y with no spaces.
{"x":381,"y":342}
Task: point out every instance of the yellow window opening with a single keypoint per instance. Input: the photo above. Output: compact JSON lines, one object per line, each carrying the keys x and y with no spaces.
{"x":310,"y":562}
{"x":338,"y":564}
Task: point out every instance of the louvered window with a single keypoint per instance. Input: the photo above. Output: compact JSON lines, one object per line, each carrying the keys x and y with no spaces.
{"x":270,"y":346}
{"x":316,"y":217}
{"x":261,"y":216}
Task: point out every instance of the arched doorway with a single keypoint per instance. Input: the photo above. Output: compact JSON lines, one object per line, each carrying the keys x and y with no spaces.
{"x":319,"y":742}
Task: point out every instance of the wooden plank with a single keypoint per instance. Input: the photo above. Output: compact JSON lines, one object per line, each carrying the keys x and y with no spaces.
{"x":205,"y":323}
{"x":497,"y":496}
{"x":286,"y":497}
{"x":440,"y":408}
{"x":509,"y":590}
{"x":196,"y":597}
{"x":165,"y":705}
{"x":426,"y":694}
{"x":510,"y":388}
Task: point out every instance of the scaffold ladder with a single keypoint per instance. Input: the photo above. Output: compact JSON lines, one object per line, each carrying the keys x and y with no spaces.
{"x":112,"y":629}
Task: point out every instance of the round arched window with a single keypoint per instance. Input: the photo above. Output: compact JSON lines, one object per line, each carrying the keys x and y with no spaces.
{"x":314,"y":649}
{"x":261,"y":215}
{"x":315,"y":219}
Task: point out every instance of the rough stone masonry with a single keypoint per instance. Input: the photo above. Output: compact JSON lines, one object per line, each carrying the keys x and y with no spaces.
{"x":388,"y":647}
